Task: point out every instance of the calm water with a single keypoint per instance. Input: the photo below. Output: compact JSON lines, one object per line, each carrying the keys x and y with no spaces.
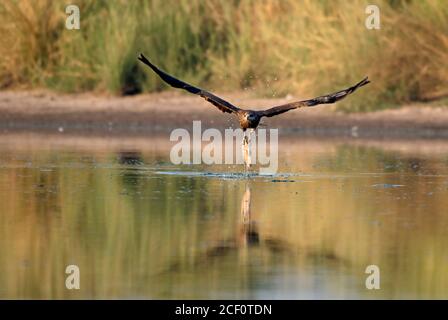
{"x":139,"y":227}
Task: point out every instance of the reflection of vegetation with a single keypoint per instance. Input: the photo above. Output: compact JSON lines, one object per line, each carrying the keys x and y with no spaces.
{"x":266,"y":45}
{"x":53,"y":214}
{"x":130,"y":158}
{"x":131,"y":177}
{"x":358,"y":158}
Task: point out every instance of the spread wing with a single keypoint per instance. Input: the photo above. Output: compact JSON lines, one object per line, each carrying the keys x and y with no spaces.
{"x":329,"y":98}
{"x":221,"y":104}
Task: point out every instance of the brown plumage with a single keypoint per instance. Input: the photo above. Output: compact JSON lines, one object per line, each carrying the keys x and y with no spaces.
{"x":249,"y":119}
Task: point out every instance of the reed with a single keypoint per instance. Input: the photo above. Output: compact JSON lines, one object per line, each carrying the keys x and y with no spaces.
{"x":273,"y":48}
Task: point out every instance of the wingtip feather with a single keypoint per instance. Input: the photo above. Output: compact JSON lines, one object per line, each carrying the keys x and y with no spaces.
{"x":363,"y":82}
{"x":143,"y":59}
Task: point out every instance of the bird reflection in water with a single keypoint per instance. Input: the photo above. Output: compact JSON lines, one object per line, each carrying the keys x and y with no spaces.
{"x":247,"y":233}
{"x":249,"y":228}
{"x":249,"y":243}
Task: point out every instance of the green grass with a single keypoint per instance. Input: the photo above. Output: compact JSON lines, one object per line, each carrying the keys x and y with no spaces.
{"x":271,"y":47}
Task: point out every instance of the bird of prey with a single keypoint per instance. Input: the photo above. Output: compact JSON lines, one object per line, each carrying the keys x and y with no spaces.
{"x":249,"y":119}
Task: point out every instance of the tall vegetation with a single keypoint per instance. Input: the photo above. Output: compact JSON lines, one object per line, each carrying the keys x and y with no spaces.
{"x":272,"y":47}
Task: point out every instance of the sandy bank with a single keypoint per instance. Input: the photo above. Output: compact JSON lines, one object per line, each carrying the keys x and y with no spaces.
{"x":163,"y":112}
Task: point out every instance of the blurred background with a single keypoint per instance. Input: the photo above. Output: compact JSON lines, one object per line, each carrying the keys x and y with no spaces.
{"x":271,"y":48}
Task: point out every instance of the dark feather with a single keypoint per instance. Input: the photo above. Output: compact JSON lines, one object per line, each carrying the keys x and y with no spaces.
{"x":329,"y":98}
{"x":221,"y":104}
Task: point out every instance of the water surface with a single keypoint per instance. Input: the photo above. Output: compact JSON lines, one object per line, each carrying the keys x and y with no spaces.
{"x":139,"y":227}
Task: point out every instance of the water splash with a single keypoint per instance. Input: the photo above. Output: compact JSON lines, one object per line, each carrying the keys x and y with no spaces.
{"x":278,"y":177}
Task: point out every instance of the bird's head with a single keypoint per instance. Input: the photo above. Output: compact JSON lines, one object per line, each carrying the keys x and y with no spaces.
{"x":251,"y":117}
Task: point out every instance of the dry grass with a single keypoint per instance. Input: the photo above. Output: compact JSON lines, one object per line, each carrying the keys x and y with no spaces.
{"x":274,"y":48}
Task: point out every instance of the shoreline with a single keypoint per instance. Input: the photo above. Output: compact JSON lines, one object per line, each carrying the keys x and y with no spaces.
{"x":47,"y":112}
{"x":160,"y":142}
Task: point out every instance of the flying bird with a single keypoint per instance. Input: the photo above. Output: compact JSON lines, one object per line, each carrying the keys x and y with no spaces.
{"x":249,"y":119}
